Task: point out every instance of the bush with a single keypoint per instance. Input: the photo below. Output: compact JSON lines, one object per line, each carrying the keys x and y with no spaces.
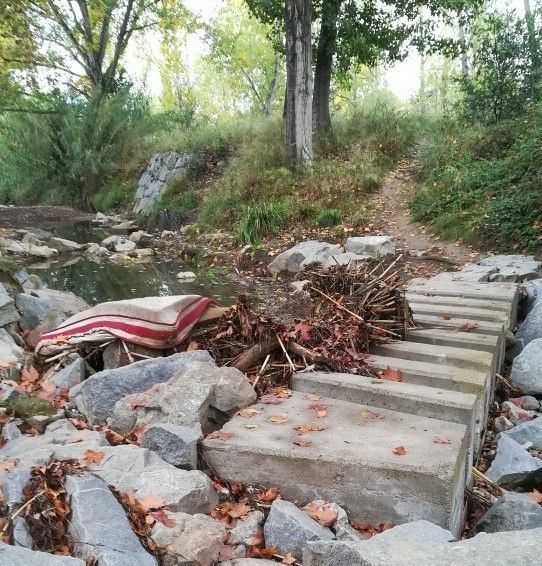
{"x":481,"y":186}
{"x":69,"y":156}
{"x":262,"y":220}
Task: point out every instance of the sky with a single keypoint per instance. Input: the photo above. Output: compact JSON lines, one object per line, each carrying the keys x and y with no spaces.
{"x":402,"y":78}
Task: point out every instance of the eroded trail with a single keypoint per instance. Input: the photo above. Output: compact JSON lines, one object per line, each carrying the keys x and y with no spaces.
{"x":391,"y":215}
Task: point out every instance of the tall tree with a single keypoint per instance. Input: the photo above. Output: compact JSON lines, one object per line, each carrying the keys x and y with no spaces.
{"x":82,"y":41}
{"x":299,"y":84}
{"x":365,"y":33}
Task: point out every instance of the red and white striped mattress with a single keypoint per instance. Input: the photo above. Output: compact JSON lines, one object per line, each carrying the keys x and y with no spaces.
{"x":154,"y":322}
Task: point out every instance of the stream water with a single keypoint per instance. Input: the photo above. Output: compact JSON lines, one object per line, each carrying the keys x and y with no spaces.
{"x":98,"y":280}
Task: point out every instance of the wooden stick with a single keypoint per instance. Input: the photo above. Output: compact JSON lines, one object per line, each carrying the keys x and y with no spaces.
{"x":482,"y":476}
{"x":262,"y":369}
{"x":286,"y":354}
{"x":130,"y":358}
{"x":248,"y":358}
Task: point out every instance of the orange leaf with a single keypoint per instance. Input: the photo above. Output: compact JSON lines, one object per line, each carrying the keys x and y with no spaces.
{"x":8,"y":465}
{"x":219,"y":435}
{"x":269,"y":495}
{"x":309,"y":427}
{"x":269,"y":399}
{"x":370,"y":415}
{"x":391,"y":374}
{"x":239,"y":510}
{"x":79,"y":423}
{"x":399,"y":450}
{"x":288,"y":559}
{"x":76,"y":438}
{"x":312,"y":397}
{"x":442,"y":440}
{"x":319,"y":409}
{"x":30,"y":374}
{"x":277,"y":419}
{"x":161,"y":517}
{"x":303,"y":443}
{"x":92,"y":457}
{"x":248,"y":413}
{"x":467,"y":327}
{"x":282,"y":393}
{"x":326,"y":516}
{"x":151,"y":502}
{"x":446,"y":317}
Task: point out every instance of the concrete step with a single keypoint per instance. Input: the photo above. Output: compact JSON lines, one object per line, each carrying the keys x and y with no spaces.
{"x":434,"y":374}
{"x":440,"y":337}
{"x":351,"y":461}
{"x":456,"y":323}
{"x":507,"y":293}
{"x":445,"y":355}
{"x":447,"y":310}
{"x":443,"y":404}
{"x":458,"y":302}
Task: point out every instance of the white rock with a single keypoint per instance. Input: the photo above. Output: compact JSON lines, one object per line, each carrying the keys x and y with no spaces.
{"x":375,"y":246}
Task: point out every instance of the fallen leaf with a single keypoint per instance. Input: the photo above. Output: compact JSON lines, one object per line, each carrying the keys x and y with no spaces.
{"x":442,"y":440}
{"x":303,"y":443}
{"x":309,"y":427}
{"x":161,"y":517}
{"x":446,"y":317}
{"x":79,"y":423}
{"x":535,"y":495}
{"x":369,"y":415}
{"x":270,"y":399}
{"x":240,"y":509}
{"x":312,"y":397}
{"x":248,"y":413}
{"x":76,"y":438}
{"x":391,"y":374}
{"x":288,"y":559}
{"x":304,"y":331}
{"x":8,"y":465}
{"x":29,"y":374}
{"x":92,"y":457}
{"x":320,"y":410}
{"x":219,"y":435}
{"x":269,"y":495}
{"x":282,"y":393}
{"x":151,"y":502}
{"x":258,"y":552}
{"x":326,"y":516}
{"x":399,"y":450}
{"x":277,"y":419}
{"x":467,"y":327}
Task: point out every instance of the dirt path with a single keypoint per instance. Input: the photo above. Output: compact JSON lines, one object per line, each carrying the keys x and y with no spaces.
{"x":391,"y":216}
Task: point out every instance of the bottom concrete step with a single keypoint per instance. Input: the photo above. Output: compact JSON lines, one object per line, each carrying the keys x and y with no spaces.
{"x":351,"y":461}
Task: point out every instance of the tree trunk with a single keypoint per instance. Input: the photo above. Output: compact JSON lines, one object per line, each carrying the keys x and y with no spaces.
{"x":464,"y":54}
{"x":298,"y":15}
{"x":327,"y":43}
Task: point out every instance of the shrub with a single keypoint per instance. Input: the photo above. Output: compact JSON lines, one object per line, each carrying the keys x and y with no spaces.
{"x":328,"y":217}
{"x":261,"y":220}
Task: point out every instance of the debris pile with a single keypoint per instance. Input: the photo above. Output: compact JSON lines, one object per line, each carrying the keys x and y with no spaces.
{"x":352,"y":308}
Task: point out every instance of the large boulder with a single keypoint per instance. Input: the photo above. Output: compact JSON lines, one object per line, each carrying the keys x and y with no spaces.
{"x":176,"y":444}
{"x":512,"y":463}
{"x":196,"y":539}
{"x":70,"y":375}
{"x":32,"y":309}
{"x":511,"y":512}
{"x":95,"y":398}
{"x":374,"y":246}
{"x":289,"y":529}
{"x":62,"y":301}
{"x":199,"y":393}
{"x":531,"y":328}
{"x":18,"y":556}
{"x":530,"y":431}
{"x":10,"y":352}
{"x":421,"y":531}
{"x":302,"y":255}
{"x":526,"y":370}
{"x":98,"y":524}
{"x":65,"y":246}
{"x":499,"y":549}
{"x":161,"y":170}
{"x":8,"y":312}
{"x":24,"y":248}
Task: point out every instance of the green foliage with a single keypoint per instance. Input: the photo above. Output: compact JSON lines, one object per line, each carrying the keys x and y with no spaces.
{"x":328,"y":217}
{"x":261,"y":220}
{"x":506,"y":55}
{"x":482,"y":184}
{"x":71,"y":155}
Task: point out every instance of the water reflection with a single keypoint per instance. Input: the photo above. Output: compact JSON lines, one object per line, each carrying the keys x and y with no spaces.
{"x":108,"y":281}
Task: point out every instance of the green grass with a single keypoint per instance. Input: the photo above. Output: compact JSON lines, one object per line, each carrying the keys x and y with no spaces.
{"x":328,"y":217}
{"x":481,"y":184}
{"x":261,"y":220}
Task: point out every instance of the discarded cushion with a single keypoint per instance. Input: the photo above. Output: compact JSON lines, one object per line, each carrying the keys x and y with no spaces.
{"x":154,"y":322}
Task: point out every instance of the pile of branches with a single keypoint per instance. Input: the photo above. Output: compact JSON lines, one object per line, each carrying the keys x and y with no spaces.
{"x":353,"y":309}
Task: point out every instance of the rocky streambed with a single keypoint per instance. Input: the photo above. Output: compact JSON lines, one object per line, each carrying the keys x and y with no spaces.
{"x":101,"y":451}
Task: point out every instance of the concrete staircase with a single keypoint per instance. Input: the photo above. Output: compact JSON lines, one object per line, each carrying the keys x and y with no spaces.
{"x":436,"y":413}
